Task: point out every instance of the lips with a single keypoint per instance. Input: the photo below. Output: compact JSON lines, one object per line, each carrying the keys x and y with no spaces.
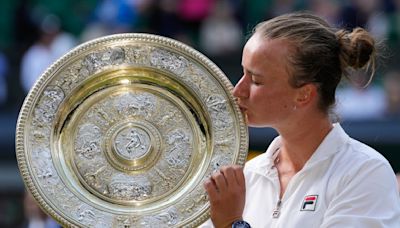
{"x":242,"y":107}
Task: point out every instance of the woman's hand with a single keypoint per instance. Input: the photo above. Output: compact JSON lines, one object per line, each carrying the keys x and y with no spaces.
{"x":227,"y":193}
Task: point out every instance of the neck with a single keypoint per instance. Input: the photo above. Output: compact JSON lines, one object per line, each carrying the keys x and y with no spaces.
{"x":300,"y":141}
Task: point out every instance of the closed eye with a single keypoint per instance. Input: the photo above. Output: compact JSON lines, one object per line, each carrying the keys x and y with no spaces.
{"x":255,"y":80}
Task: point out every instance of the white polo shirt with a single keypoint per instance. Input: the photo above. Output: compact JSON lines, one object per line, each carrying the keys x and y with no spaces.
{"x":344,"y":184}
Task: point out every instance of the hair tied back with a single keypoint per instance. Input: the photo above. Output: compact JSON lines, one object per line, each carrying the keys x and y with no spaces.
{"x":357,"y":50}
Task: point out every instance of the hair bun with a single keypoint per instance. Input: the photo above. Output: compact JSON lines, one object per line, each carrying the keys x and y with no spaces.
{"x":357,"y":49}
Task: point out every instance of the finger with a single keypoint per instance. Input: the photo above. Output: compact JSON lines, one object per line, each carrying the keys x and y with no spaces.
{"x":238,"y":170}
{"x":211,"y":190}
{"x":220,"y":181}
{"x":229,"y":174}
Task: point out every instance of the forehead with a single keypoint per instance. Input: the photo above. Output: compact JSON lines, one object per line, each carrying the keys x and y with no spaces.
{"x":260,"y":53}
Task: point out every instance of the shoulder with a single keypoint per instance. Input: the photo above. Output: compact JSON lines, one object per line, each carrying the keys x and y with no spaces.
{"x":361,"y":177}
{"x":358,"y":163}
{"x":358,"y":154}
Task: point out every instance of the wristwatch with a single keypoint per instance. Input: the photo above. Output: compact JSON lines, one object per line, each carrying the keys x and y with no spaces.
{"x":240,"y":224}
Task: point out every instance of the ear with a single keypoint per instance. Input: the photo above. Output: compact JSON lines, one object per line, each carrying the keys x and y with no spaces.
{"x":306,"y":94}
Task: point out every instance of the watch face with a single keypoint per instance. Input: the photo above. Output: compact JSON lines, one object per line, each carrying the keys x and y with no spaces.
{"x":240,"y":224}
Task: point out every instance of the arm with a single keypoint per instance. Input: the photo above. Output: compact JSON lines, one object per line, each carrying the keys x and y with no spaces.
{"x":226,"y":191}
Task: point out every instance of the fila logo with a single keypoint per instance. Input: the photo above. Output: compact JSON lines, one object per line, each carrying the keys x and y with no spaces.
{"x":309,"y":203}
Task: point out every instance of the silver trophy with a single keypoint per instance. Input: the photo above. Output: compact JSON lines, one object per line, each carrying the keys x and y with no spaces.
{"x":123,"y":130}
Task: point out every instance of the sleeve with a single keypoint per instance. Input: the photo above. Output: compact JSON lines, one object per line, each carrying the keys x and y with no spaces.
{"x":368,"y":198}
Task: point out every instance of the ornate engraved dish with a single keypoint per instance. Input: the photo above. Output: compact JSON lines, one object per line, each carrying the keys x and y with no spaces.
{"x":122,"y":132}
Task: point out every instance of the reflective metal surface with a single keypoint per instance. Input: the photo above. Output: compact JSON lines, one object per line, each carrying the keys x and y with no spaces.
{"x":123,"y":130}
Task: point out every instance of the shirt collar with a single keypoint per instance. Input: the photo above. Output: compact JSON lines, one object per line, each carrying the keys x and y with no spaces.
{"x":330,"y":145}
{"x":265,"y":162}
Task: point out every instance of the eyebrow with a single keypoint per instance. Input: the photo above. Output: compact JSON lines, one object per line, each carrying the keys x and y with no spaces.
{"x":253,"y":73}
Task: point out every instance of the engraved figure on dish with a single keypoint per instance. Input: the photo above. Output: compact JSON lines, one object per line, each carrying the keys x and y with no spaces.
{"x":138,"y":55}
{"x":141,"y":104}
{"x":91,"y":63}
{"x":164,"y":219}
{"x":166,"y":60}
{"x":100,"y":116}
{"x":218,"y":109}
{"x":40,"y":135}
{"x":95,"y":173}
{"x":169,"y":217}
{"x":53,"y":96}
{"x":179,"y":153}
{"x":132,"y":143}
{"x":88,"y":150}
{"x":48,"y":105}
{"x":87,"y":143}
{"x":93,"y":179}
{"x":126,"y":187}
{"x":85,"y":215}
{"x":114,"y":56}
{"x":168,"y":116}
{"x":95,"y":61}
{"x":124,"y":221}
{"x":43,"y":169}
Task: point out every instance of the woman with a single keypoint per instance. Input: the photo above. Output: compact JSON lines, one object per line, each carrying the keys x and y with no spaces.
{"x":313,"y":174}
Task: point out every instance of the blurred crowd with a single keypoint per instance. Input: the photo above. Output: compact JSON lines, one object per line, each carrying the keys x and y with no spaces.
{"x":39,"y":32}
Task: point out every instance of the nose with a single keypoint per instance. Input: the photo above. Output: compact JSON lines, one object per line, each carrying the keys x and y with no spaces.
{"x":241,"y":89}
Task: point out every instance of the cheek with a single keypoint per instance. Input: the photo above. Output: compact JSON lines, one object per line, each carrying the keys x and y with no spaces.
{"x":265,"y":94}
{"x":258,"y":96}
{"x":270,"y":97}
